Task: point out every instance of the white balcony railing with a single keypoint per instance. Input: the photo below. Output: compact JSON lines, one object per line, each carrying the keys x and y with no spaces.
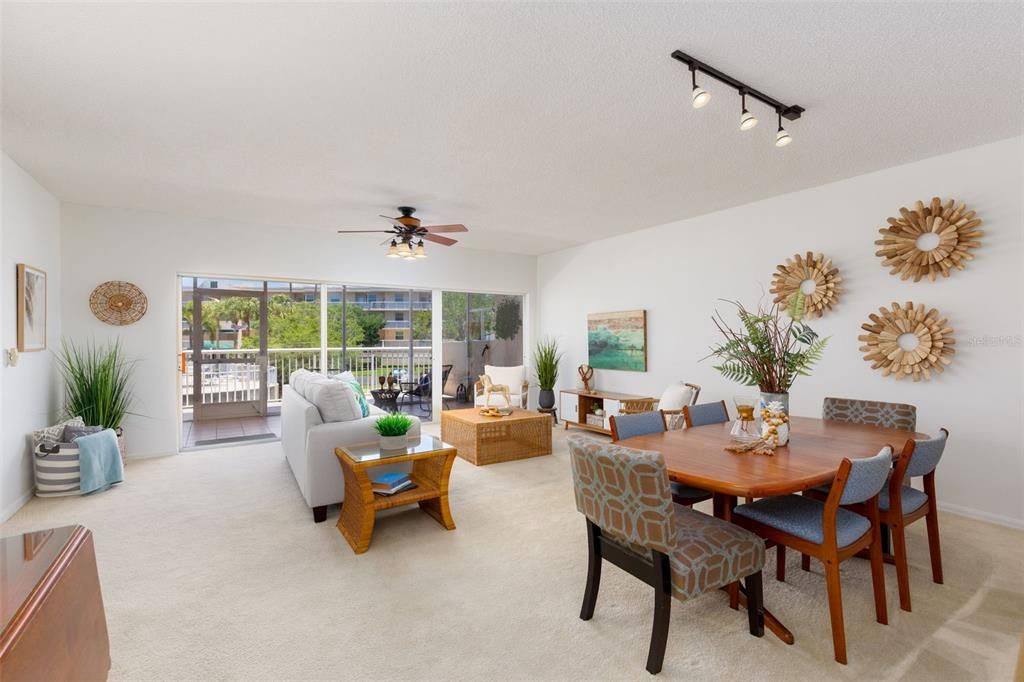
{"x":227,"y":381}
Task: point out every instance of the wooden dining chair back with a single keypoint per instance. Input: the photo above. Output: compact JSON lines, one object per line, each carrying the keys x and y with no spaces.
{"x":871,"y":412}
{"x":641,"y":424}
{"x":830,"y":532}
{"x":705,"y":413}
{"x":632,"y":523}
{"x":628,"y":426}
{"x":900,"y":504}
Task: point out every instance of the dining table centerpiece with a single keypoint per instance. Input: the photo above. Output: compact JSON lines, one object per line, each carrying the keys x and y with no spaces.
{"x":770,"y":348}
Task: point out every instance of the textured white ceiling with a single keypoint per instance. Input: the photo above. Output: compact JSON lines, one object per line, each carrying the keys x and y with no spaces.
{"x":537,"y":125}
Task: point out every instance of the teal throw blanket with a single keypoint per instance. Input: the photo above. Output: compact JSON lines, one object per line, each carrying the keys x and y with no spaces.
{"x":100,"y":461}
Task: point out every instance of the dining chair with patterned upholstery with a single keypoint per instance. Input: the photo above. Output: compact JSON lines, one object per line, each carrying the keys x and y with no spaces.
{"x":899,"y":505}
{"x":632,"y":523}
{"x":627,"y":426}
{"x":870,"y":412}
{"x":829,"y":531}
{"x":705,"y":413}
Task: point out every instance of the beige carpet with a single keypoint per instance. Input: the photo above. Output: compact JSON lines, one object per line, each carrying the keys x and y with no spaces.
{"x":213,"y":569}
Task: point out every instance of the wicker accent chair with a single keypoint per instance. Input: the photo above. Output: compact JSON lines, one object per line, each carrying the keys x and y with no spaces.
{"x":629,"y":425}
{"x":830,"y":532}
{"x":671,"y":401}
{"x":632,"y":523}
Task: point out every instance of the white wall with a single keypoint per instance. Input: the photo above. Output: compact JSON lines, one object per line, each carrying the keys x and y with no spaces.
{"x":29,"y":392}
{"x":151,"y":249}
{"x":678,"y":270}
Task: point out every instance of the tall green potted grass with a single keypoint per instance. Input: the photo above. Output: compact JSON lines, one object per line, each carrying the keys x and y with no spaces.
{"x":97,"y":384}
{"x":545,"y":363}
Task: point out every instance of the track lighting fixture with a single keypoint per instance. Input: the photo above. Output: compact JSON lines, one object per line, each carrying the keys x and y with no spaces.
{"x":700,"y":97}
{"x":747,"y":119}
{"x":782,"y":138}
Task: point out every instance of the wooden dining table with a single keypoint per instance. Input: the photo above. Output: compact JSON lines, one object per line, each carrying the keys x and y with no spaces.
{"x":697,"y":457}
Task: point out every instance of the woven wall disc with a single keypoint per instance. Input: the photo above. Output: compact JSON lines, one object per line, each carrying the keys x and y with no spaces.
{"x":118,"y":303}
{"x":956,"y":231}
{"x":882,"y":348}
{"x":789,"y":277}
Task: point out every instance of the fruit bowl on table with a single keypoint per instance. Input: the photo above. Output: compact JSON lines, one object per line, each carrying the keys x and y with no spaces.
{"x":495,"y":411}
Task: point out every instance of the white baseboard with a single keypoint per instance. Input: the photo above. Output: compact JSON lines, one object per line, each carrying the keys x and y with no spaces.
{"x":150,"y":455}
{"x":970,"y":513}
{"x":13,"y":508}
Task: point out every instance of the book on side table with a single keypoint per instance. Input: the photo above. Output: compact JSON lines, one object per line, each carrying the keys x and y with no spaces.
{"x":391,"y":483}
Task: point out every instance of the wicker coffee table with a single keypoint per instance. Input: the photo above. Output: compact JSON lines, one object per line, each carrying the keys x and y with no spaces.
{"x":489,"y":440}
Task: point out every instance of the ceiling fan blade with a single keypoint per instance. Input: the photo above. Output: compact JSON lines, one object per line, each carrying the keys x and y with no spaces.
{"x":394,"y":221}
{"x":444,"y":228}
{"x":445,"y":241}
{"x":364,"y":231}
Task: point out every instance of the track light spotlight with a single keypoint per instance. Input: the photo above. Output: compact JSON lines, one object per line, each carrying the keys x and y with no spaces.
{"x":699,"y":96}
{"x":782,"y":138}
{"x":747,"y":119}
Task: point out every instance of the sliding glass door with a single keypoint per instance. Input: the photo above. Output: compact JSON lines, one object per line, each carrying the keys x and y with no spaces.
{"x":478,"y":330}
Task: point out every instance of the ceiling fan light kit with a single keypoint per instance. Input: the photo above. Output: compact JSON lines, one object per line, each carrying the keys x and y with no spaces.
{"x":407,"y":235}
{"x":700,"y":97}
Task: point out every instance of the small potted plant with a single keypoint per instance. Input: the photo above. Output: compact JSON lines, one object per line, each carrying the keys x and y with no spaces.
{"x":392,"y":429}
{"x":770,"y":349}
{"x":545,"y":362}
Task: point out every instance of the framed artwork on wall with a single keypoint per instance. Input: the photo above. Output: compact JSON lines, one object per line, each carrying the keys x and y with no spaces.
{"x":31,"y":308}
{"x":618,"y":340}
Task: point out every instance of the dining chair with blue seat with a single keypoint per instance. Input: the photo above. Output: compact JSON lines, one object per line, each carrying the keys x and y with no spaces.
{"x":829,"y":532}
{"x":633,"y":523}
{"x":900,"y":504}
{"x":630,"y":425}
{"x":705,"y":413}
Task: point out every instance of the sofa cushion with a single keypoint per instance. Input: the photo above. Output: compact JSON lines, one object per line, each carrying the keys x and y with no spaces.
{"x":675,"y":397}
{"x":513,"y":377}
{"x":357,"y":391}
{"x":298,"y":379}
{"x":335,"y":400}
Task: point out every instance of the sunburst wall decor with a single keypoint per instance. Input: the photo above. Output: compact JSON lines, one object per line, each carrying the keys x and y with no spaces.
{"x":930,"y":349}
{"x":789,"y":278}
{"x":118,"y":303}
{"x":930,"y":240}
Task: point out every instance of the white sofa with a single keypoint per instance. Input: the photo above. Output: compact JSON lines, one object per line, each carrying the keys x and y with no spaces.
{"x":513,"y":377}
{"x":309,"y":444}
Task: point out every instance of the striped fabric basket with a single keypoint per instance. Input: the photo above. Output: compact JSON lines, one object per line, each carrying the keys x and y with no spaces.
{"x":57,"y":474}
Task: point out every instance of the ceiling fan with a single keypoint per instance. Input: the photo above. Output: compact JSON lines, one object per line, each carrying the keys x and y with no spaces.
{"x":406,"y":230}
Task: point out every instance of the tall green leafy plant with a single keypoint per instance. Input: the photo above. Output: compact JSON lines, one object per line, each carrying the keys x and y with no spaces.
{"x":97,"y":382}
{"x":545,"y":362}
{"x":770,"y":348}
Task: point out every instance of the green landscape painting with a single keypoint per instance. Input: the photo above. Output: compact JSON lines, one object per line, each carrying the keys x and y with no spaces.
{"x":618,"y":340}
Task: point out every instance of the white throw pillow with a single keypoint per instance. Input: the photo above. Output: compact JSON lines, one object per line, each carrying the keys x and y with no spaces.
{"x":675,"y":397}
{"x":335,"y":400}
{"x":344,"y":376}
{"x":513,"y":377}
{"x":298,"y":379}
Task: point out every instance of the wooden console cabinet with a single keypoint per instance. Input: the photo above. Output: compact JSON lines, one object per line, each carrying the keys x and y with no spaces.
{"x":576,"y":408}
{"x":52,"y":625}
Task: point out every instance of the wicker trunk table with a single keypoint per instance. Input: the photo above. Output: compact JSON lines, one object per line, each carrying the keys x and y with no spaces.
{"x":488,"y":440}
